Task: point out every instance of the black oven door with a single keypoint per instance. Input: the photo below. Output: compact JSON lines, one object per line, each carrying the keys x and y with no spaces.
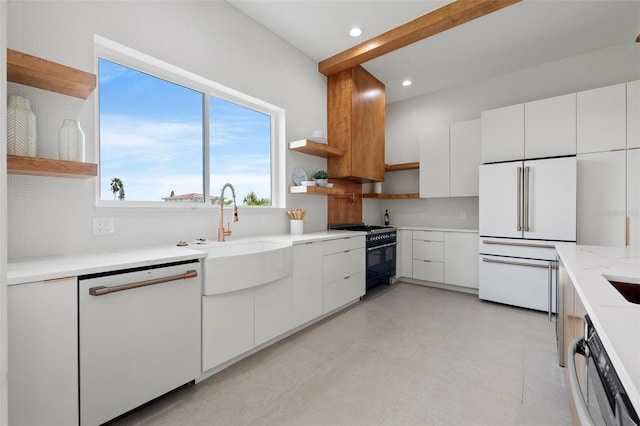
{"x":381,"y":264}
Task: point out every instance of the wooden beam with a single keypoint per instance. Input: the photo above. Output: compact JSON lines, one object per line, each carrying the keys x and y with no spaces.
{"x":448,"y":16}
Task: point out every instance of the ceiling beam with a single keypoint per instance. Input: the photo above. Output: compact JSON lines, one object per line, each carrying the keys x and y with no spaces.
{"x":448,"y":16}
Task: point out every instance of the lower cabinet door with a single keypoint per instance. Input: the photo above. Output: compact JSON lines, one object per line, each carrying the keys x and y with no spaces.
{"x":43,"y":353}
{"x":517,"y":282}
{"x":428,"y":270}
{"x":342,"y":291}
{"x":227,"y":326}
{"x":272,"y":310}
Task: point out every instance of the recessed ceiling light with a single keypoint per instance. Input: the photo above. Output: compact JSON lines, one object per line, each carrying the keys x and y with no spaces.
{"x":406,"y":83}
{"x":355,"y":32}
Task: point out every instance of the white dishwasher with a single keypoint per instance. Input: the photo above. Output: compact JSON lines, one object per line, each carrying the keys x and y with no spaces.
{"x":139,"y":336}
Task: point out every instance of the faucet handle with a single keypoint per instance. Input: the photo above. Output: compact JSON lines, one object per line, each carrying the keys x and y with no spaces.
{"x":228,"y":230}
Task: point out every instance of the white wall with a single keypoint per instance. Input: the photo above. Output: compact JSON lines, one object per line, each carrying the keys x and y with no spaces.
{"x":3,"y":217}
{"x":617,"y":64}
{"x":49,"y":216}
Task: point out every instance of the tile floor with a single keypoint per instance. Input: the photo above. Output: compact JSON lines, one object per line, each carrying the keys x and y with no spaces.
{"x":406,"y":355}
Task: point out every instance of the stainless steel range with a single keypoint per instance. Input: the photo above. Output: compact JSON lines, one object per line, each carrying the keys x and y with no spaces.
{"x":381,"y":251}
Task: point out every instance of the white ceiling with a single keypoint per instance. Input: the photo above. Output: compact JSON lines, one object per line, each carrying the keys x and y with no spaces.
{"x":520,"y":36}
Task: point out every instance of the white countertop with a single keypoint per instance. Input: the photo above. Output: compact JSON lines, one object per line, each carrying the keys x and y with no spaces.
{"x":46,"y":268}
{"x":616,"y":320}
{"x":437,"y":228}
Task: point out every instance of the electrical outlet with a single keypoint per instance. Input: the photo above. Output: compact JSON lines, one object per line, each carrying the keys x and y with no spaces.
{"x":463,"y":215}
{"x":265,"y":220}
{"x":104,"y":225}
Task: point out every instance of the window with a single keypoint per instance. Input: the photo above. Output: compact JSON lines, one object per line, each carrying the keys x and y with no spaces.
{"x":168,"y":137}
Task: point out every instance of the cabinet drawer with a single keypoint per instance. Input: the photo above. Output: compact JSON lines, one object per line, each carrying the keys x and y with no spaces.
{"x":428,"y":235}
{"x":428,"y":250}
{"x":343,"y":264}
{"x":342,"y":291}
{"x":530,"y":249}
{"x":428,"y":271}
{"x":342,"y":244}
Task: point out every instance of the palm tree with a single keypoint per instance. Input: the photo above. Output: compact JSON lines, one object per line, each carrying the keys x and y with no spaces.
{"x":252,"y":200}
{"x":117,"y":187}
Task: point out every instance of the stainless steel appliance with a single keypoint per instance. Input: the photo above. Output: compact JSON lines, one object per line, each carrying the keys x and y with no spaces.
{"x":601,"y":400}
{"x":139,"y":336}
{"x":381,"y":244}
{"x":525,"y":207}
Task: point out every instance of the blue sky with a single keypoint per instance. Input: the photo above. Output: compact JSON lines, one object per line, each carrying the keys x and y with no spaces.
{"x":151,"y":138}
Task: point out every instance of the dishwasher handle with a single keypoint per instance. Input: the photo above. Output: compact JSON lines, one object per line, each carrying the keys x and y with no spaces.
{"x":102,"y":290}
{"x":577,"y":346}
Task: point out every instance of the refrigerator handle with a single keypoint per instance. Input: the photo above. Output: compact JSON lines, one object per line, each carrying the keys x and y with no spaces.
{"x":519,"y":203}
{"x":526,"y":198}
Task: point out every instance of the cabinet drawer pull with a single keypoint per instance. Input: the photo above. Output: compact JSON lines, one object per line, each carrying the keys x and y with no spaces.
{"x":346,"y":251}
{"x":55,"y":280}
{"x":102,"y":290}
{"x":347,"y":277}
{"x":428,"y":261}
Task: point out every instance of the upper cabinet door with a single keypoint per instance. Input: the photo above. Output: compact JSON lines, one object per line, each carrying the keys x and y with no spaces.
{"x":464,"y":149}
{"x":549,"y":198}
{"x":633,"y":198}
{"x":434,"y":161}
{"x":601,"y":119}
{"x":503,"y":134}
{"x":633,"y":114}
{"x":550,"y":127}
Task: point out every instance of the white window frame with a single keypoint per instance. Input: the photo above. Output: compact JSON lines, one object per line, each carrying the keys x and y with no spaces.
{"x":126,"y":56}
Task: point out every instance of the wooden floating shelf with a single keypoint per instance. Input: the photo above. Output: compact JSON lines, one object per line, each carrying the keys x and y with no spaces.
{"x":319,"y":190}
{"x":318,"y":149}
{"x":37,"y":166}
{"x":32,"y":71}
{"x":391,"y":196}
{"x":401,"y":166}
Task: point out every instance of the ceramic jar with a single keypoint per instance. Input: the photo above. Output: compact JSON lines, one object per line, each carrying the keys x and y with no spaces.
{"x":22,"y":134}
{"x":71,"y":141}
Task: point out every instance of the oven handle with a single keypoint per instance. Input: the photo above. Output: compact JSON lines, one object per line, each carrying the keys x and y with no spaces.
{"x":575,"y":347}
{"x":102,"y":290}
{"x":382,"y":246}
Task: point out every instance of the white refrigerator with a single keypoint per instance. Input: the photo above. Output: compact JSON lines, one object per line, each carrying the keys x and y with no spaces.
{"x":525,"y":207}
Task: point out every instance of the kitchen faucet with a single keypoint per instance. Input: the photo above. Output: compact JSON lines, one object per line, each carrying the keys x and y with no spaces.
{"x":221,"y":231}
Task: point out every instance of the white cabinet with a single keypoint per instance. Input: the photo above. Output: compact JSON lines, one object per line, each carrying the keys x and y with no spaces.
{"x":434,"y":161}
{"x":633,"y":197}
{"x":601,"y":119}
{"x":404,"y":258}
{"x":502,"y":134}
{"x":633,"y":114}
{"x":601,"y":198}
{"x":227,"y":326}
{"x":461,"y":259}
{"x":273,"y":309}
{"x":464,"y":147}
{"x":449,"y":160}
{"x":344,"y":276}
{"x":43,"y":352}
{"x":307,"y":282}
{"x":550,"y":127}
{"x":428,"y":256}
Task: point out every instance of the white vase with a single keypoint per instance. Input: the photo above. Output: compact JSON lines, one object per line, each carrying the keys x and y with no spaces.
{"x":22,"y":134}
{"x":71,"y":141}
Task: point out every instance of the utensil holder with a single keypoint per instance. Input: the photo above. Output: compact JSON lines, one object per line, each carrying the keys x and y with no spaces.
{"x":297,"y":226}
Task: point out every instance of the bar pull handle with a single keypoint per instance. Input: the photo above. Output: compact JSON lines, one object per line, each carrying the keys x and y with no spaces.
{"x":527,"y":172}
{"x":550,"y":266}
{"x":580,"y":405}
{"x":519,"y":197}
{"x":626,"y":231}
{"x":102,"y":290}
{"x":507,"y":243}
{"x":508,"y":262}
